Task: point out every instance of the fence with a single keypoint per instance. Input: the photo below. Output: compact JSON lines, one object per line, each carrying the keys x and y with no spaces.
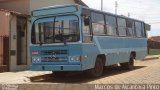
{"x":4,"y":53}
{"x":153,"y":44}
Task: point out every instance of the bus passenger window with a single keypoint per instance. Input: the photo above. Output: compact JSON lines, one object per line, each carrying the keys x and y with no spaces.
{"x":121,"y":26}
{"x":130,"y":28}
{"x":98,"y":24}
{"x":111,"y":25}
{"x":138,"y":27}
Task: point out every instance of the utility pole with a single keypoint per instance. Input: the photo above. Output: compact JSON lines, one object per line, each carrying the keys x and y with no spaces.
{"x":116,"y":6}
{"x":129,"y":14}
{"x":101,"y":5}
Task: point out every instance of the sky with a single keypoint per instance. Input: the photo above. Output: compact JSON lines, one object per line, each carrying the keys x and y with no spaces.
{"x":145,"y":10}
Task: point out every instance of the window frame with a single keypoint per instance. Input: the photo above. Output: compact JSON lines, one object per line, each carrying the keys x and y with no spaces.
{"x":90,"y":34}
{"x":48,"y":17}
{"x":143,"y":30}
{"x":134,"y":34}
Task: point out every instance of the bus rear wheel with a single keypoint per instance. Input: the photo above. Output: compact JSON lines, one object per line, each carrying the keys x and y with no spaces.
{"x":128,"y":65}
{"x":97,"y":70}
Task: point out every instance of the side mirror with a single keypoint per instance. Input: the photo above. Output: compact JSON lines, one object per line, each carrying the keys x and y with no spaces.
{"x":147,"y":27}
{"x":86,"y":21}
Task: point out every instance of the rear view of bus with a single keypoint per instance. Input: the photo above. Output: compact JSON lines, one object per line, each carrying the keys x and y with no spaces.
{"x":76,"y":38}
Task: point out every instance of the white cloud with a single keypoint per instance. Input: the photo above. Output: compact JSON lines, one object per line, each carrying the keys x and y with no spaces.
{"x":146,"y":10}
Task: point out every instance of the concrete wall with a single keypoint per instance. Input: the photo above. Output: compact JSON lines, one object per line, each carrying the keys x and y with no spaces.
{"x":28,"y":43}
{"x":13,"y":46}
{"x":36,"y":4}
{"x":21,"y":6}
{"x":13,"y":43}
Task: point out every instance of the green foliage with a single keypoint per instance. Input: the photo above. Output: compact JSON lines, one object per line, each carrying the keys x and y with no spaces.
{"x":154,"y":51}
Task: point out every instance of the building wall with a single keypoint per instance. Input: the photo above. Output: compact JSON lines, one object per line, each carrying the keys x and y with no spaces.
{"x":4,"y":31}
{"x":8,"y":26}
{"x":24,"y":7}
{"x":36,"y":4}
{"x":4,"y":23}
{"x":21,"y":6}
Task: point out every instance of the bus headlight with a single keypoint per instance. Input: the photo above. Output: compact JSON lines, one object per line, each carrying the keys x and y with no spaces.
{"x":78,"y":58}
{"x":35,"y":59}
{"x":75,"y":58}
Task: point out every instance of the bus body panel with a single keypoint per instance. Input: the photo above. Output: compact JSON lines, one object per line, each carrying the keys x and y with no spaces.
{"x":56,"y":67}
{"x":118,"y":49}
{"x":91,"y":50}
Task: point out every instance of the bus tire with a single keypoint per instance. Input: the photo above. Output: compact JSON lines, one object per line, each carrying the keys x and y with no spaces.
{"x":128,"y":65}
{"x":98,"y":68}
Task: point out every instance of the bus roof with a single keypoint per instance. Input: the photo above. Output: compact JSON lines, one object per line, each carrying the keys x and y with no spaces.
{"x":38,"y":11}
{"x":52,"y":7}
{"x":122,"y":16}
{"x":58,"y":9}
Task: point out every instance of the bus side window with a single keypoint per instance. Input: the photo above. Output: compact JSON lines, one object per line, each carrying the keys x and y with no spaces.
{"x":111,"y":25}
{"x":98,"y":24}
{"x":130,"y":28}
{"x":122,"y":27}
{"x":87,"y":36}
{"x":138,"y":29}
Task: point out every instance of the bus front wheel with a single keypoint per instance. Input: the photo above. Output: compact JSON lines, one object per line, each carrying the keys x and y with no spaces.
{"x":128,"y":65}
{"x":98,"y":68}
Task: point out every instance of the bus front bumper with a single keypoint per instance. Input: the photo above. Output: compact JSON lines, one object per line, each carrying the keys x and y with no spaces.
{"x":56,"y":68}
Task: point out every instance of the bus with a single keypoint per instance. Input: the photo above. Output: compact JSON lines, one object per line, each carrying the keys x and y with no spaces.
{"x":76,"y":38}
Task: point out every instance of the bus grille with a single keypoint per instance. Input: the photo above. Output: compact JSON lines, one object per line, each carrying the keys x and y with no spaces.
{"x":57,"y":59}
{"x":54,"y":56}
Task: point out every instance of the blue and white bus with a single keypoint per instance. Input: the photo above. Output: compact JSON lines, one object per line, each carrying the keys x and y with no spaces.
{"x":77,"y":38}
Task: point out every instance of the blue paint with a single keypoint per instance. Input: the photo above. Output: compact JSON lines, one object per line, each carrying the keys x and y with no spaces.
{"x":54,"y":10}
{"x":116,"y":49}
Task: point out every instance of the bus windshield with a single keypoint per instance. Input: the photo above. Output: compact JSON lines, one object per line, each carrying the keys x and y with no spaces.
{"x":59,"y":29}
